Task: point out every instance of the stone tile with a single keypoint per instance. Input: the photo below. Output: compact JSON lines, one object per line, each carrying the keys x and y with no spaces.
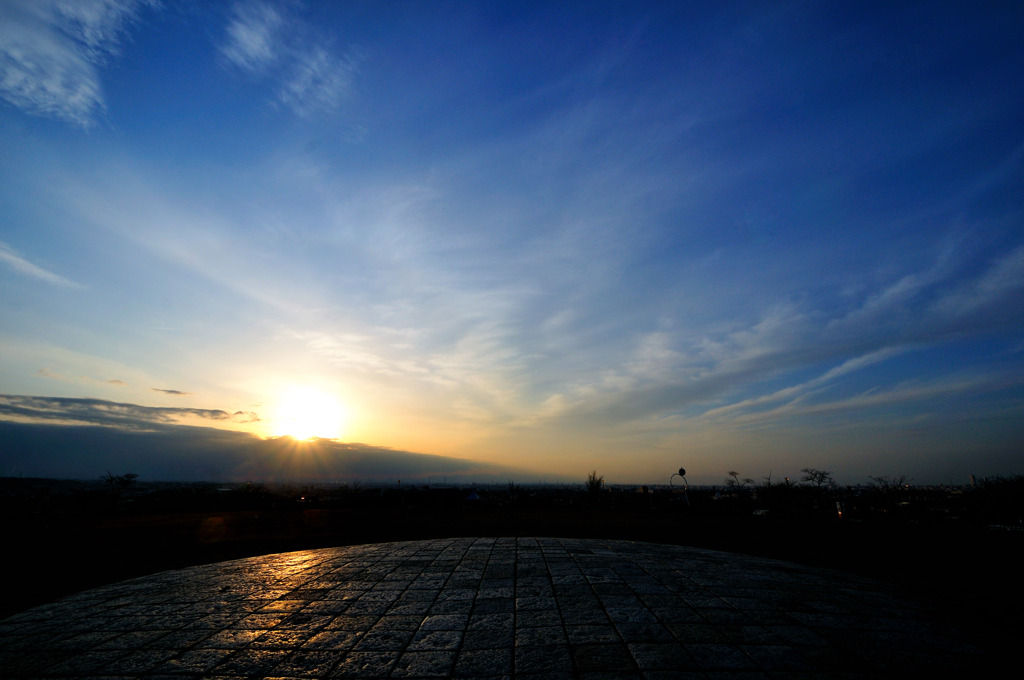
{"x":367,"y":607}
{"x":130,"y":640}
{"x":661,"y":656}
{"x":450,"y":607}
{"x":334,"y":640}
{"x":542,"y":659}
{"x":491,"y":621}
{"x":282,"y":607}
{"x":586,"y":635}
{"x":194,"y":661}
{"x":409,"y":608}
{"x":630,"y":615}
{"x":231,"y":639}
{"x":385,"y":640}
{"x":282,"y":639}
{"x":352,"y":622}
{"x":585,"y":616}
{"x":260,"y":621}
{"x":424,"y":664}
{"x":445,"y":622}
{"x":426,"y":640}
{"x":606,"y":657}
{"x":777,"y":658}
{"x":456,"y":593}
{"x":365,"y":665}
{"x":79,"y":664}
{"x":644,"y":632}
{"x":610,"y":675}
{"x":399,"y":622}
{"x":138,"y":662}
{"x":539,"y":635}
{"x":251,"y":662}
{"x":488,"y":639}
{"x":550,"y":675}
{"x":488,"y":590}
{"x":535,"y":619}
{"x":414,"y":595}
{"x":483,"y":663}
{"x":494,"y":605}
{"x":694,"y":633}
{"x":80,"y":641}
{"x":307,"y":664}
{"x":717,"y":657}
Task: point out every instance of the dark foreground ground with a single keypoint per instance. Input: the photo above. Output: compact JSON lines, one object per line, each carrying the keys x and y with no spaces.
{"x":56,"y":545}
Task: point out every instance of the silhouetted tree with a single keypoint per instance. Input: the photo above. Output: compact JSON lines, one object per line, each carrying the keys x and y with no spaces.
{"x":893,"y":486}
{"x":120,"y":483}
{"x":1002,"y":499}
{"x":733,"y":481}
{"x":595,"y":482}
{"x":817,"y":478}
{"x":890,"y":491}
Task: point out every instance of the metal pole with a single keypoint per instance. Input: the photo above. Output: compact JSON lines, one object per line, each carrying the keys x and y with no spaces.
{"x":682,"y":475}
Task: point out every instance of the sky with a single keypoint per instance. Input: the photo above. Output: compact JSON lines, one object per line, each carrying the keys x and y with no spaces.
{"x":520,"y":239}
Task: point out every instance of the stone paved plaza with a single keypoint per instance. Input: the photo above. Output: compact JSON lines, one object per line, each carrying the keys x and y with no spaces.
{"x":487,"y":608}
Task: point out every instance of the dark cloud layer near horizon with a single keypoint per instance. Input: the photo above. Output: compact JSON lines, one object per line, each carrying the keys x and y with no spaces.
{"x":83,"y":438}
{"x":184,"y":453}
{"x":110,"y":413}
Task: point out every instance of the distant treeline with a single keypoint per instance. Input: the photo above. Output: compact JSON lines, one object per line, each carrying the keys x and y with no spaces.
{"x":995,"y":501}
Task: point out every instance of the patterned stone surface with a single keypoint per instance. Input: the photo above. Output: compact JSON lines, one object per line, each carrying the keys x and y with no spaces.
{"x":487,"y":608}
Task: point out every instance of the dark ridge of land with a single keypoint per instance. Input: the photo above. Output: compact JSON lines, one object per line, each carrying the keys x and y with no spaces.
{"x":63,"y":537}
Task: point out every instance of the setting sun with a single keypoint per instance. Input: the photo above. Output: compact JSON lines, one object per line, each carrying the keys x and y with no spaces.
{"x":305,"y":413}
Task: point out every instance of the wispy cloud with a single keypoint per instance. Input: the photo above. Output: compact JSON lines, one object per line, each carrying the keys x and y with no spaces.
{"x":55,"y":375}
{"x":999,"y":293}
{"x":357,"y":353}
{"x":796,"y":392}
{"x":730,"y":376}
{"x":267,"y":40}
{"x":19,"y":264}
{"x":317,"y":81}
{"x":883,"y":401}
{"x":252,"y":40}
{"x":51,"y":52}
{"x":173,"y":393}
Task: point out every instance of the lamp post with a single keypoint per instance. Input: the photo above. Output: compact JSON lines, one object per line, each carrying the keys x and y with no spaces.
{"x":682,"y":475}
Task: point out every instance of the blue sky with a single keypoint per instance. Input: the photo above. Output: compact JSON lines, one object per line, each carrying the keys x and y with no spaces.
{"x":622,"y":236}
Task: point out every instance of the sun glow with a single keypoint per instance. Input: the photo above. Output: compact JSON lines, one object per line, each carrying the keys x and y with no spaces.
{"x":305,"y":413}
